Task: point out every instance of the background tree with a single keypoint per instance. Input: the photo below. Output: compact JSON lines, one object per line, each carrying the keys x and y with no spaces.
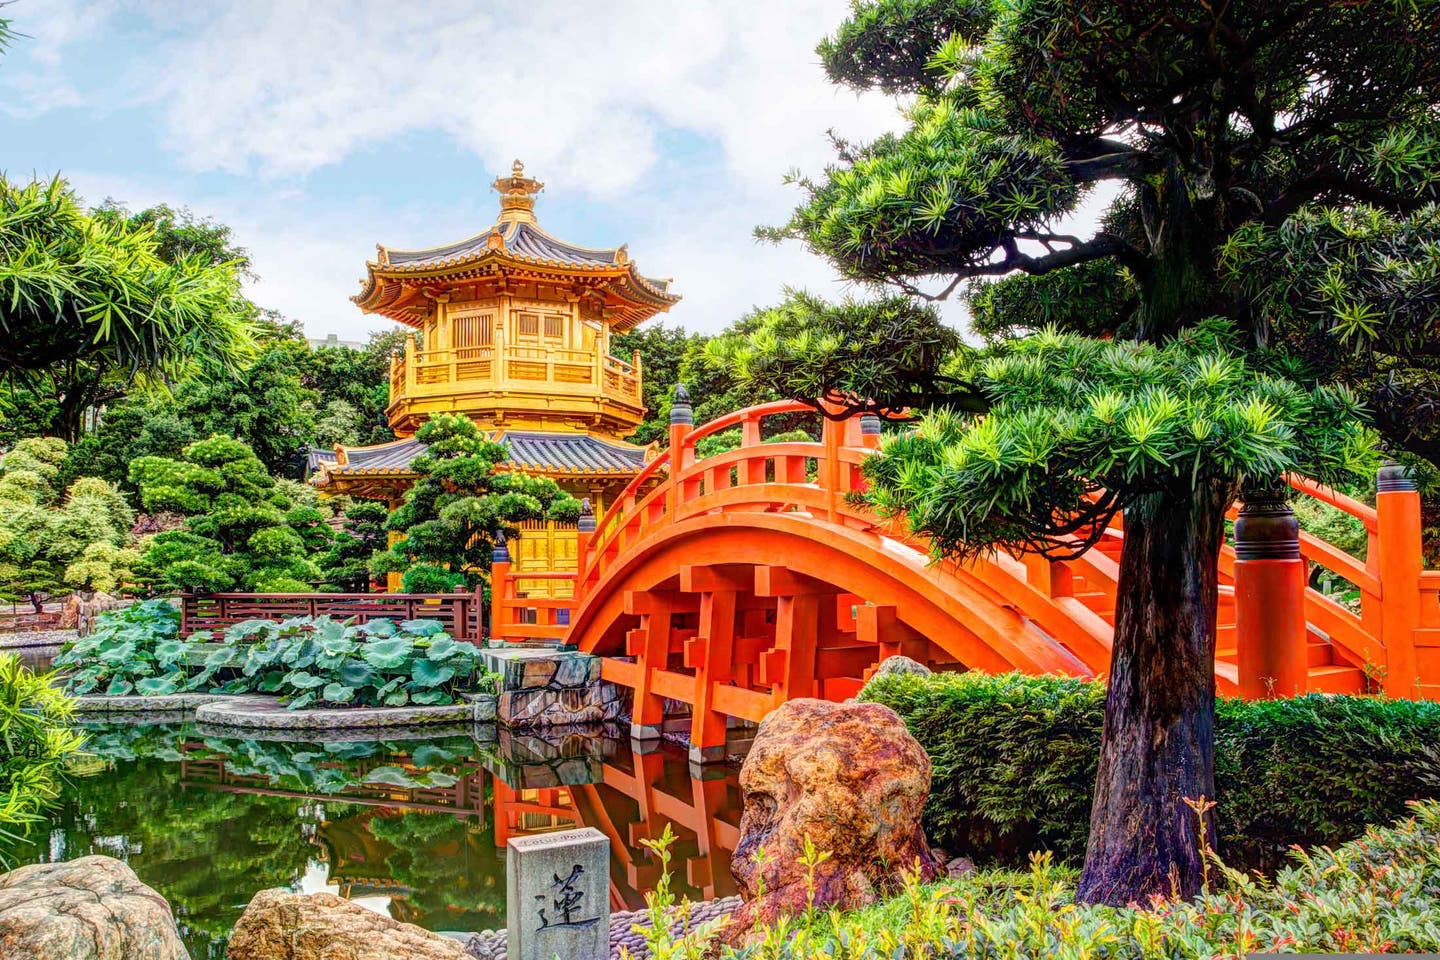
{"x":51,"y":537}
{"x":85,"y":299}
{"x":459,"y":505}
{"x":352,"y":390}
{"x":1214,"y":121}
{"x":663,"y":351}
{"x":346,"y":565}
{"x":242,"y":529}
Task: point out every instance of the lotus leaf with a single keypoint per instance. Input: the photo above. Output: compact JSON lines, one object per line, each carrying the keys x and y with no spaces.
{"x":388,"y":653}
{"x":303,"y":680}
{"x":430,"y":674}
{"x":338,"y":693}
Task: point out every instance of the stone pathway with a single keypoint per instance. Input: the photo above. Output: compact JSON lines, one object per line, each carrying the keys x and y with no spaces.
{"x":35,"y":638}
{"x":490,"y":945}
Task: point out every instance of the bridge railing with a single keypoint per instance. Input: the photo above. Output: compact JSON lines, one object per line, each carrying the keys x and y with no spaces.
{"x":1395,"y":636}
{"x":817,"y":475}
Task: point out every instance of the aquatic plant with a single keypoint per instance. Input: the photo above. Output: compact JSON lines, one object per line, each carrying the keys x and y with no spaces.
{"x":135,"y":649}
{"x":306,"y":661}
{"x":321,"y":661}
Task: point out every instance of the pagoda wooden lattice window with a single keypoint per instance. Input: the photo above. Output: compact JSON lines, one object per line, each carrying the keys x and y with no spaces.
{"x":472,"y":335}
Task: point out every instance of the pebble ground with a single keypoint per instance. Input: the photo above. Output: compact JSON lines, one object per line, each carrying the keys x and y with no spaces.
{"x":490,"y":945}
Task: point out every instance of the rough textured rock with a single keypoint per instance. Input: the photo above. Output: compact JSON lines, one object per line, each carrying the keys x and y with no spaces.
{"x":899,"y":664}
{"x":94,"y":908}
{"x":959,"y":867}
{"x":78,"y":613}
{"x":851,"y":778}
{"x":280,"y":925}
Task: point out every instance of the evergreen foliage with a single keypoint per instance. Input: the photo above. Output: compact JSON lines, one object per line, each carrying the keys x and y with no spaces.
{"x":346,"y":565}
{"x":460,"y":503}
{"x":243,"y":530}
{"x":55,"y":539}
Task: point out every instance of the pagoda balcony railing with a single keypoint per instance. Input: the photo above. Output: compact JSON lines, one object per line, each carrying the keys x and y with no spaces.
{"x":514,"y":367}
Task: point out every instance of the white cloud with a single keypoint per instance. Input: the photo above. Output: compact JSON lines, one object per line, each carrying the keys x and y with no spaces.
{"x":584,"y":92}
{"x":594,"y":97}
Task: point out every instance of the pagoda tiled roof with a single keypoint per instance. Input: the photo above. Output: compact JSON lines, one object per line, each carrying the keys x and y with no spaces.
{"x":523,"y":242}
{"x":569,"y":453}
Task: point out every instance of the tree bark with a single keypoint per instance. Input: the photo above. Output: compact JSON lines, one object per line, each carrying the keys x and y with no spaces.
{"x":1158,"y":744}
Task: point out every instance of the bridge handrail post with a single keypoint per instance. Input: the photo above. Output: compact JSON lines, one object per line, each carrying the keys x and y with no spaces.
{"x":1270,"y":629}
{"x":584,"y":533}
{"x":682,"y":422}
{"x":499,"y":586}
{"x":832,"y":437}
{"x":1398,"y":567}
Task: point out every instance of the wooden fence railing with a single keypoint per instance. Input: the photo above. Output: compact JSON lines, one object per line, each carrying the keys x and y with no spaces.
{"x":461,"y":613}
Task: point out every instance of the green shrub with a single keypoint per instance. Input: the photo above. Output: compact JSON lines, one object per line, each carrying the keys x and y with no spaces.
{"x":1380,"y":894}
{"x":35,"y":740}
{"x":1014,"y":764}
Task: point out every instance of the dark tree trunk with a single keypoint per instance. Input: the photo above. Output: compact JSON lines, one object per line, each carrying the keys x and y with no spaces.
{"x":1159,"y":740}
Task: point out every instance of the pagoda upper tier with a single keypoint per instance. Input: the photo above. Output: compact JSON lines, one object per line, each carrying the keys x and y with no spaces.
{"x":514,"y":326}
{"x":403,"y":284}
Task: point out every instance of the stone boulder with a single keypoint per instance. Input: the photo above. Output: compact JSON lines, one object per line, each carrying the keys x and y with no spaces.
{"x":280,"y":925}
{"x":93,"y":908}
{"x":79,"y":611}
{"x":852,"y":779}
{"x":900,"y":665}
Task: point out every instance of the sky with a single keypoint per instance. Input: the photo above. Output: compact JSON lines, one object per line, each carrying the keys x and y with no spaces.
{"x":319,"y":128}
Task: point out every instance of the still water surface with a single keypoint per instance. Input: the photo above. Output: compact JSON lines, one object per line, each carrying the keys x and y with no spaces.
{"x":414,"y":829}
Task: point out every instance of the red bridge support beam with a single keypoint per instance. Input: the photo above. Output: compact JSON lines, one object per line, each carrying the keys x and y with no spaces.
{"x":710,"y":654}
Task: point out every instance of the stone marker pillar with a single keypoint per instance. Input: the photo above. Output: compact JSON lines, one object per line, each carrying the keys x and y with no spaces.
{"x":558,"y":896}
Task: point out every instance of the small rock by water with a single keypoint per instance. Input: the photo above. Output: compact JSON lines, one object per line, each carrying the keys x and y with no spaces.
{"x":490,"y":945}
{"x":93,"y":908}
{"x":280,"y":925}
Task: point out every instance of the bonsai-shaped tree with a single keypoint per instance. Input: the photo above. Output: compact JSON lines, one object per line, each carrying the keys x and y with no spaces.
{"x":242,"y":528}
{"x":1165,"y":385}
{"x":460,"y":504}
{"x":362,"y":534}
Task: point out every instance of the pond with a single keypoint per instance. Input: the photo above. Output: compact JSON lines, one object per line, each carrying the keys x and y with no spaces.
{"x":412,"y":828}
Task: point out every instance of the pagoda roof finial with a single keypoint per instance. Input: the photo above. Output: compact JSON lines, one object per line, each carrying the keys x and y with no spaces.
{"x":517,"y":195}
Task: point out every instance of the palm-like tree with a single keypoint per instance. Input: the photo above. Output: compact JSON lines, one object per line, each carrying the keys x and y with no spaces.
{"x":85,"y":300}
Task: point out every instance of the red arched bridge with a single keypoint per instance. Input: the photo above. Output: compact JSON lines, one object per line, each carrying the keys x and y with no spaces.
{"x":734,"y":582}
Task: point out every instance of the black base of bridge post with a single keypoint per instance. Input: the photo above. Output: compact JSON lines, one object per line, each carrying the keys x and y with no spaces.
{"x":645,"y":731}
{"x":704,"y":755}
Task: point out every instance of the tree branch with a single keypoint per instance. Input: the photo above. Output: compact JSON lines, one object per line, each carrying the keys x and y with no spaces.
{"x":1331,"y":180}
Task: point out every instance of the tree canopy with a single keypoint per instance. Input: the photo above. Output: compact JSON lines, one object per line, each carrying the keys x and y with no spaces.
{"x":56,"y":538}
{"x":1246,"y":300}
{"x":86,"y":297}
{"x":460,"y":504}
{"x":243,"y":529}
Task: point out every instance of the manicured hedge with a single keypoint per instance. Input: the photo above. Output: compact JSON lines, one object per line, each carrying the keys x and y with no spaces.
{"x":1014,"y":764}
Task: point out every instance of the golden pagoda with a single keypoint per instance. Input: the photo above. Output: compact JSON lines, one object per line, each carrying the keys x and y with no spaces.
{"x":512,"y":328}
